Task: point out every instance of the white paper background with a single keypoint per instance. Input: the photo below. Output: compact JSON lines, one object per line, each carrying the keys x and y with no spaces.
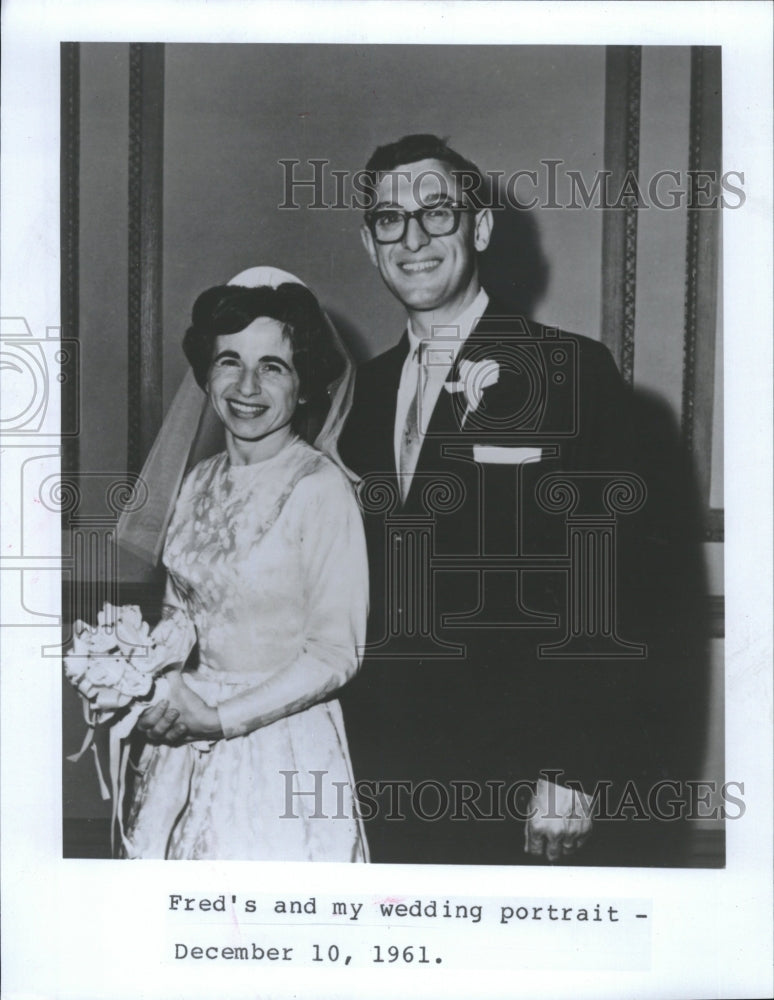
{"x":98,"y":929}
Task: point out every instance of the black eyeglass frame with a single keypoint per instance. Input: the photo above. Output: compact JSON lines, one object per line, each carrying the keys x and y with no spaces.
{"x":457,"y":210}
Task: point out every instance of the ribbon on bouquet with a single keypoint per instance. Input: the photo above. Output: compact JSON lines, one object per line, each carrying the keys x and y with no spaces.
{"x":118,"y":760}
{"x":89,"y":744}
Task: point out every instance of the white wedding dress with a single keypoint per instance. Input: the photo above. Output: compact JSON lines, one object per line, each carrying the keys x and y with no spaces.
{"x":267,"y":565}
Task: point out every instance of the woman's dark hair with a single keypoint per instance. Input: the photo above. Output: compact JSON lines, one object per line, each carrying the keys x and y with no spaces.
{"x":227,"y":309}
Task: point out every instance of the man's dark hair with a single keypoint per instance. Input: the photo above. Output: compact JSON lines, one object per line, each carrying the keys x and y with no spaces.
{"x":423,"y":146}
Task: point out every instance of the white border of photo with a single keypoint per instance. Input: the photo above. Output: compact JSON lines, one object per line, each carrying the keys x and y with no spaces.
{"x":84,"y":929}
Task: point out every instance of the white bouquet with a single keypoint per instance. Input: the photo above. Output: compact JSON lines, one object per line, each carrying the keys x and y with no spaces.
{"x":116,"y":666}
{"x":117,"y":662}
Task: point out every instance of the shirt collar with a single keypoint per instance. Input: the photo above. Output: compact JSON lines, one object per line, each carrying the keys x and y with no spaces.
{"x":462,"y":325}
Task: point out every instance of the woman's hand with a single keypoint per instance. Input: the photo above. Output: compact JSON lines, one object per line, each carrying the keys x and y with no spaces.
{"x":182,"y":717}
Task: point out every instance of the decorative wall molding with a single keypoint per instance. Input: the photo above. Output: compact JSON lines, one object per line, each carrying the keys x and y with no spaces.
{"x":146,"y":156}
{"x":619,"y":227}
{"x":69,"y":221}
{"x":716,"y":614}
{"x":702,"y":260}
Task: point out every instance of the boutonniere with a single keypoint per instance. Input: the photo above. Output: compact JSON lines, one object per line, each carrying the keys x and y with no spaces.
{"x":474,"y":377}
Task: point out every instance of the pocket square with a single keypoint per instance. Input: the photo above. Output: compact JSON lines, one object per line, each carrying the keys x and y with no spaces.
{"x":499,"y":455}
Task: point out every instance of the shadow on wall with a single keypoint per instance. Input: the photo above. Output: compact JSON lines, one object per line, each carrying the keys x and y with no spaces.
{"x":513,"y":268}
{"x":671,"y":559}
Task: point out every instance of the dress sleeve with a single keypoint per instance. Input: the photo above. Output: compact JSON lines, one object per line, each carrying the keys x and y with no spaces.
{"x":335,"y":570}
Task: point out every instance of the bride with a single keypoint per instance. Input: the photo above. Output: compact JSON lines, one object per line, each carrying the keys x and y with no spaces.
{"x":247,"y":756}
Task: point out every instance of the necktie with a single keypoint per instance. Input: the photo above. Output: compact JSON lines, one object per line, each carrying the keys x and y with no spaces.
{"x":410,"y":441}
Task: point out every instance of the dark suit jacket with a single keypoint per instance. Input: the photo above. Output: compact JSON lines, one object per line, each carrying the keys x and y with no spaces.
{"x":472,"y":578}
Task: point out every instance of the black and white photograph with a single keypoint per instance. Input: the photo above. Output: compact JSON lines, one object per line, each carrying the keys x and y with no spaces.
{"x":542,"y":509}
{"x":380,"y":493}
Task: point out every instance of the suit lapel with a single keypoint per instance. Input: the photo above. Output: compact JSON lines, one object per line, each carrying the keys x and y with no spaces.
{"x":385,"y":402}
{"x":447,"y":413}
{"x":495,"y":324}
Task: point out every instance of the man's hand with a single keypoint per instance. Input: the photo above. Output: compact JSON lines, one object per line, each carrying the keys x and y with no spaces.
{"x":182,"y":717}
{"x":560,"y":823}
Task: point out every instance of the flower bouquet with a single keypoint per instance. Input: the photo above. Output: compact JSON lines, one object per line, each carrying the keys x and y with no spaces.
{"x":117,"y":666}
{"x":117,"y":662}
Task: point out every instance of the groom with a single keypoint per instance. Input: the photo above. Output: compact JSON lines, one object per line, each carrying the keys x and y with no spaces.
{"x":486,"y":686}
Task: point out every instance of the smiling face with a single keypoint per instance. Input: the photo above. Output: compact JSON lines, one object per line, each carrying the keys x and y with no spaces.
{"x":436,"y":275}
{"x":254,"y":389}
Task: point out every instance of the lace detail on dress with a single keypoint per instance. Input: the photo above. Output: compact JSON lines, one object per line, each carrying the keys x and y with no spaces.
{"x":225,"y":511}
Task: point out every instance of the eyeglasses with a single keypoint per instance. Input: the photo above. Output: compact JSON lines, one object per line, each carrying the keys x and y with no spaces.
{"x":388,"y":225}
